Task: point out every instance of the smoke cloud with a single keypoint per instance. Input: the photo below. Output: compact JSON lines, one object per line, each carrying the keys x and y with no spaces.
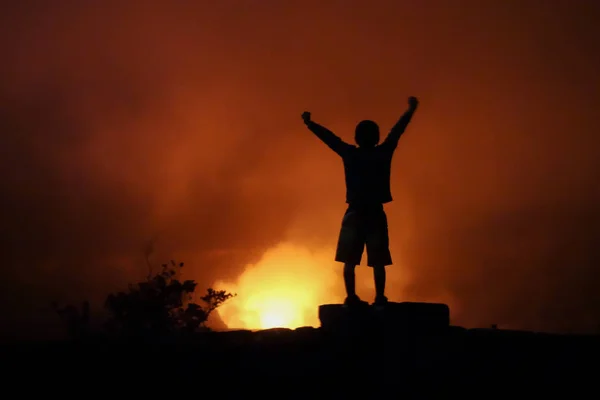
{"x":178,"y":126}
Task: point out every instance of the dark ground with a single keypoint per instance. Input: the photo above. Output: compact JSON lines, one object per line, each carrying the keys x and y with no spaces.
{"x":457,"y":360}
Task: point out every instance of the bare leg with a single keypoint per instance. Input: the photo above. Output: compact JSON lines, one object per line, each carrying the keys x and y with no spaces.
{"x":379,"y":276}
{"x":350,"y":279}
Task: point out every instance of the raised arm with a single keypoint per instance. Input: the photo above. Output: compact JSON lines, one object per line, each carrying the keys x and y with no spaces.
{"x":329,"y":138}
{"x":400,"y":126}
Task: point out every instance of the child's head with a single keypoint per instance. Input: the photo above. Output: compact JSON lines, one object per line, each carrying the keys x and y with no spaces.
{"x":366,"y":134}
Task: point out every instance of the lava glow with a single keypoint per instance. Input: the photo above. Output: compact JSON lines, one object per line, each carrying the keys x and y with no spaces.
{"x":284,"y":289}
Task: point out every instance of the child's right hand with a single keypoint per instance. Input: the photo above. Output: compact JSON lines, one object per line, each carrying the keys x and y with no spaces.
{"x":306,"y":117}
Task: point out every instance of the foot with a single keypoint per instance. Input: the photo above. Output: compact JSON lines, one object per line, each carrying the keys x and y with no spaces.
{"x":380,"y":301}
{"x":352,"y":301}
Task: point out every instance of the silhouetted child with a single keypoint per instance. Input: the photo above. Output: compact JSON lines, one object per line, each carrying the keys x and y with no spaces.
{"x":367,"y":169}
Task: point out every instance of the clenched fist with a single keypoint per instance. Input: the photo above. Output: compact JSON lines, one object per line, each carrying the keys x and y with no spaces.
{"x":413,"y":102}
{"x":306,"y":117}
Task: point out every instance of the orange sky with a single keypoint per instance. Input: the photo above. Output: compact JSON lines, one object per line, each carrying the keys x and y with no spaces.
{"x":122,"y":123}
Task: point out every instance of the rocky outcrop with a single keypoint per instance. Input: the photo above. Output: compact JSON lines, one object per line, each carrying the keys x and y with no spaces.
{"x":406,"y":316}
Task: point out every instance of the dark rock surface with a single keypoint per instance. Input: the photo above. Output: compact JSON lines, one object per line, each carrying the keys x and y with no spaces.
{"x":406,"y":316}
{"x":406,"y":346}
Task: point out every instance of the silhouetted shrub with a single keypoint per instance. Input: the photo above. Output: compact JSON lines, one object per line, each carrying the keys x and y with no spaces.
{"x":161,"y":305}
{"x":77,"y":320}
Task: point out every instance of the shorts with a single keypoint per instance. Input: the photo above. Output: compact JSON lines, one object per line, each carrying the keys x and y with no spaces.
{"x":364,"y":226}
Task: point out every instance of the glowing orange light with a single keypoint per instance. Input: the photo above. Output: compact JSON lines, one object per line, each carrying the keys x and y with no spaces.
{"x":284,"y":289}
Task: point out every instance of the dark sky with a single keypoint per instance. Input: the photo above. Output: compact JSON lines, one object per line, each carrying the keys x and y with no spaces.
{"x":126,"y":121}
